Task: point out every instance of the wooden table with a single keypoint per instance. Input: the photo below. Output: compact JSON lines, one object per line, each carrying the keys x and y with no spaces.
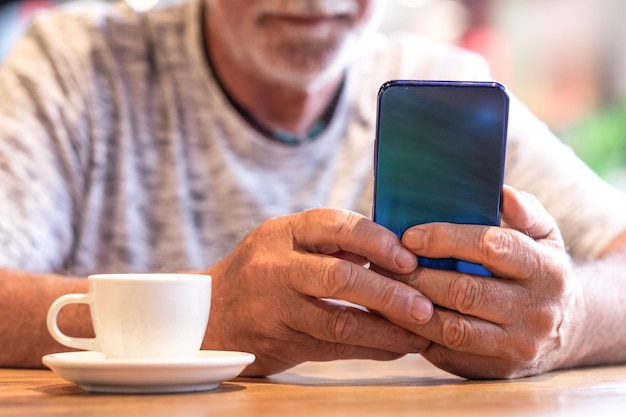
{"x":406,"y":387}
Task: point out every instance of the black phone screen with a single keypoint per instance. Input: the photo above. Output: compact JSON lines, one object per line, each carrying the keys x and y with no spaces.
{"x":440,"y":149}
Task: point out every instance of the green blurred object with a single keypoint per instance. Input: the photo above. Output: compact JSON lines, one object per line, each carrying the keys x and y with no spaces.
{"x":600,"y":140}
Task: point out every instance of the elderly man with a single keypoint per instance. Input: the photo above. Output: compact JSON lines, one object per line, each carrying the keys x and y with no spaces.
{"x":235,"y":137}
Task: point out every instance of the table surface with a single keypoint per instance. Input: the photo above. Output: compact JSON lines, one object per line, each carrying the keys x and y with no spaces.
{"x":408,"y":386}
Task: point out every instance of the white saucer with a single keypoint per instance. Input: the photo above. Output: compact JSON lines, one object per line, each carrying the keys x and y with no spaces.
{"x":92,"y":372}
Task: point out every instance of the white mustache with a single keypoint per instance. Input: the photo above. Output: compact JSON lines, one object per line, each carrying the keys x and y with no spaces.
{"x":307,"y":7}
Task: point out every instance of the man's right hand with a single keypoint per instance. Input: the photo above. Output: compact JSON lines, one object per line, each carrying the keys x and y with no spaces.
{"x":269,"y":294}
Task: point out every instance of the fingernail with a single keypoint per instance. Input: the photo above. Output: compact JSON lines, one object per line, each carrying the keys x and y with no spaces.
{"x":421,"y":309}
{"x":406,"y":259}
{"x":414,"y":239}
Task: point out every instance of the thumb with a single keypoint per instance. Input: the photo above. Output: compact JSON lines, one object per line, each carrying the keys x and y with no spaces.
{"x":523,"y":212}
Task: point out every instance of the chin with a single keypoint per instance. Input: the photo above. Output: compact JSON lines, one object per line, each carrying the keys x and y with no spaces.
{"x":308,"y":75}
{"x":310,"y":81}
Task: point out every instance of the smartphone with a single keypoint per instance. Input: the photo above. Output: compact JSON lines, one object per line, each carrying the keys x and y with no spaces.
{"x":440,"y":151}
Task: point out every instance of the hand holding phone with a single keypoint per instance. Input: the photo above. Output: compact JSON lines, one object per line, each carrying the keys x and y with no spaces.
{"x":440,"y":150}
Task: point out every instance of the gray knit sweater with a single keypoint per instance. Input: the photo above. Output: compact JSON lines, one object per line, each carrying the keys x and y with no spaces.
{"x":119,"y":152}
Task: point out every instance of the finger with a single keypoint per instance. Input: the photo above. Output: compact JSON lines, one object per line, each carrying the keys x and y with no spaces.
{"x":463,"y":364}
{"x":505,"y":252}
{"x":461,"y":333}
{"x":483,"y":297}
{"x":323,"y":276}
{"x":296,"y":348}
{"x":345,"y":325}
{"x":308,"y":349}
{"x":354,"y":258}
{"x":473,"y":366}
{"x":523,"y":212}
{"x":331,"y":231}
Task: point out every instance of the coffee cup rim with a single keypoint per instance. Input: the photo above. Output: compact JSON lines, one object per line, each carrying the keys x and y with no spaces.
{"x":156,"y":276}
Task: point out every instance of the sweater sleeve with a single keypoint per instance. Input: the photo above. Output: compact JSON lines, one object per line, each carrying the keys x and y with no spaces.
{"x":589,"y":211}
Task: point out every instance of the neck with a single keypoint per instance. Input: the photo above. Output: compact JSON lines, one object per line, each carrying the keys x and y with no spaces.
{"x":271,"y":105}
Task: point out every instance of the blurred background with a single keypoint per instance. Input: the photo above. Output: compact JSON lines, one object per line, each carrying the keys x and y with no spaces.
{"x":566,"y":59}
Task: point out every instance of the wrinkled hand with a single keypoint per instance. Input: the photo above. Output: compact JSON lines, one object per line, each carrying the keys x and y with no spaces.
{"x":518,"y":324}
{"x":269,"y":293}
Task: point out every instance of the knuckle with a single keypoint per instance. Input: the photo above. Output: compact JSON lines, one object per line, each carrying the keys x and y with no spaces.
{"x":336,"y":221}
{"x":343,"y":223}
{"x":467,"y":294}
{"x":540,"y":335}
{"x":343,"y":326}
{"x":456,"y":333}
{"x":276,"y":230}
{"x":546,"y":321}
{"x":268,"y":227}
{"x":339,"y":278}
{"x":260,"y":264}
{"x":389,"y":298}
{"x":496,"y":246}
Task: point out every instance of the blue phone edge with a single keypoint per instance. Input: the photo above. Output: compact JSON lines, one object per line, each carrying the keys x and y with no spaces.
{"x":445,"y":263}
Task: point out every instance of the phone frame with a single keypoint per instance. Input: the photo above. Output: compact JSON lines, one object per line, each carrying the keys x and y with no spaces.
{"x":448,"y":264}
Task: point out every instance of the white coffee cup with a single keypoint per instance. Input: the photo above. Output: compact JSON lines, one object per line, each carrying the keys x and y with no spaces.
{"x":141,"y":316}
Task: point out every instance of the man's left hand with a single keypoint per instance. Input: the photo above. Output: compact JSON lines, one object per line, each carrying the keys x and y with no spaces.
{"x":519,"y":322}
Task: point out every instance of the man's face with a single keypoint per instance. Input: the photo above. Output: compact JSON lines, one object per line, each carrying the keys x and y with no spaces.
{"x":300,"y":43}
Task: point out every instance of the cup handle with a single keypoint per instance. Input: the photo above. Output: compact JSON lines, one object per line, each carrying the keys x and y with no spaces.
{"x":53,"y":328}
